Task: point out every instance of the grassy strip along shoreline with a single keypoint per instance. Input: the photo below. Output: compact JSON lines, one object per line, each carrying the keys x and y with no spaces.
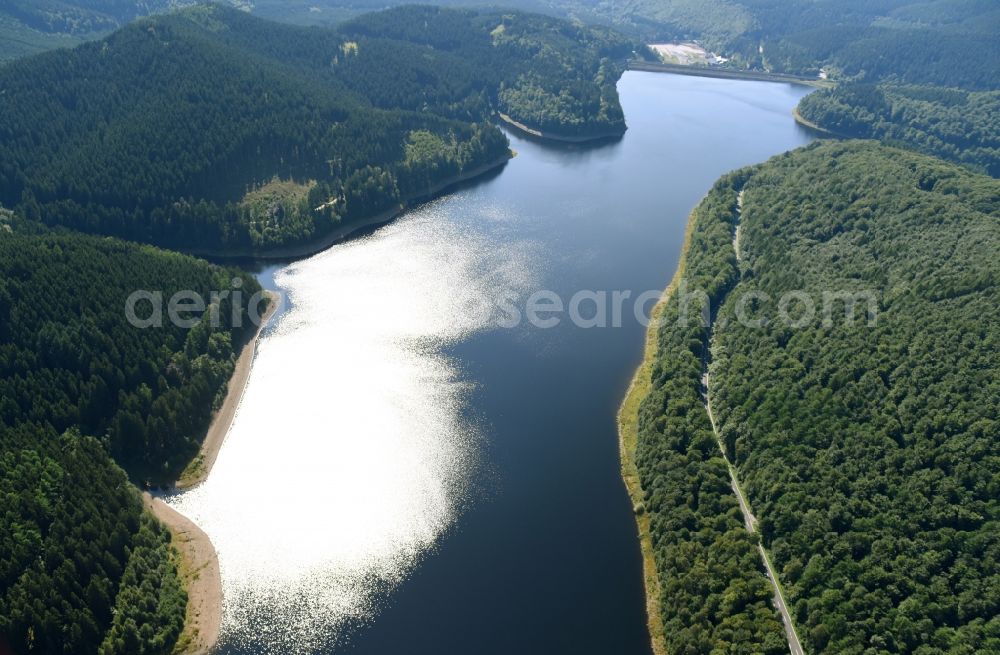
{"x":628,"y":435}
{"x":712,"y":588}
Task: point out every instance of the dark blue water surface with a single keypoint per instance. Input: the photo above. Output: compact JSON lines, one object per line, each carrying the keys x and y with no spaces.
{"x":544,"y":557}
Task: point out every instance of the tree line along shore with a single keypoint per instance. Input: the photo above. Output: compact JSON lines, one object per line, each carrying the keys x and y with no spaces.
{"x":92,"y":408}
{"x":119,"y":153}
{"x":811,"y":415}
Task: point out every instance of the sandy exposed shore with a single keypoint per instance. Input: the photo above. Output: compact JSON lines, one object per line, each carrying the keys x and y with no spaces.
{"x":549,"y":136}
{"x":805,"y":122}
{"x":199,"y":563}
{"x":199,"y":571}
{"x":202,"y":465}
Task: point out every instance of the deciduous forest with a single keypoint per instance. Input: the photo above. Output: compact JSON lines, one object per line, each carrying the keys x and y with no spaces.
{"x":868,"y":451}
{"x":960,"y":126}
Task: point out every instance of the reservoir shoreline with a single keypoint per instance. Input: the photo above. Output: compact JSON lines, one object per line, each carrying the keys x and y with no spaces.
{"x":198,"y":568}
{"x":549,"y":136}
{"x":628,"y":425}
{"x":612,"y":236}
{"x":805,"y":122}
{"x":198,"y":564}
{"x":199,"y":561}
{"x":200,"y":467}
{"x":343,"y":232}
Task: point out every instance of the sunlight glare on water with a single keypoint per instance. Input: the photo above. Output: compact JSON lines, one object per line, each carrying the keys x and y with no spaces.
{"x":348,"y":457}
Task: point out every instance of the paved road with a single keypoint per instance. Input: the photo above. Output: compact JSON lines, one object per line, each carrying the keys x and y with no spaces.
{"x":749,"y":520}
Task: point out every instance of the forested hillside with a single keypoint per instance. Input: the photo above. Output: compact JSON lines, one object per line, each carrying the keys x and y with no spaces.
{"x":713,"y":588}
{"x":158,"y":132}
{"x":940,"y":42}
{"x":869,"y":452}
{"x":544,"y":72}
{"x":956,"y":125}
{"x":31,"y":26}
{"x":82,"y":568}
{"x":944,"y":42}
{"x":70,"y":358}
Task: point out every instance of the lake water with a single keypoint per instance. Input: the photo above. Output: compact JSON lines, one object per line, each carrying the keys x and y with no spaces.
{"x":412,"y":470}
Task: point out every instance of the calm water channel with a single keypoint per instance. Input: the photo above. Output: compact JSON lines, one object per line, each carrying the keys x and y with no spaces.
{"x":413,"y":470}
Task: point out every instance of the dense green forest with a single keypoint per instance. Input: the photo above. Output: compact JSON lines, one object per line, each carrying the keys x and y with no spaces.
{"x":32,"y":26}
{"x":70,"y":358}
{"x":136,"y":135}
{"x":204,"y":130}
{"x":944,"y":42}
{"x":940,"y":42}
{"x":714,"y":593}
{"x":869,"y":453}
{"x":960,"y":126}
{"x":82,"y":568}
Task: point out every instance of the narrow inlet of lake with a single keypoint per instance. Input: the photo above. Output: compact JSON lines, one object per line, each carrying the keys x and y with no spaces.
{"x":422,"y":465}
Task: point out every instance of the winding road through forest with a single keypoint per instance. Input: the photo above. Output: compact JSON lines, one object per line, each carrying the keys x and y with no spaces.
{"x":749,"y":520}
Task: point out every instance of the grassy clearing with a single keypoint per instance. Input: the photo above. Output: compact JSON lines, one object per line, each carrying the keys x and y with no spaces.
{"x":277,"y":199}
{"x":193,"y":471}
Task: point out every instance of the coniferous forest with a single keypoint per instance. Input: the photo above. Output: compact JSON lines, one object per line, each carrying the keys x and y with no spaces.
{"x":206,"y":130}
{"x":939,"y":42}
{"x":867,"y":450}
{"x":82,"y":568}
{"x":138,"y":135}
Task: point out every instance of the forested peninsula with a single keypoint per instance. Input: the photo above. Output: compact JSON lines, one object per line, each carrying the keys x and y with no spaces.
{"x":867,"y":448}
{"x":210,"y":130}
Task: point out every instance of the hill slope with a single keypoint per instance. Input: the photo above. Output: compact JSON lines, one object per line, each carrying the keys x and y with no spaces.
{"x":162,"y":131}
{"x":869,"y":448}
{"x":942,"y":42}
{"x":956,"y":125}
{"x":83,"y":568}
{"x":31,"y":26}
{"x":868,"y":451}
